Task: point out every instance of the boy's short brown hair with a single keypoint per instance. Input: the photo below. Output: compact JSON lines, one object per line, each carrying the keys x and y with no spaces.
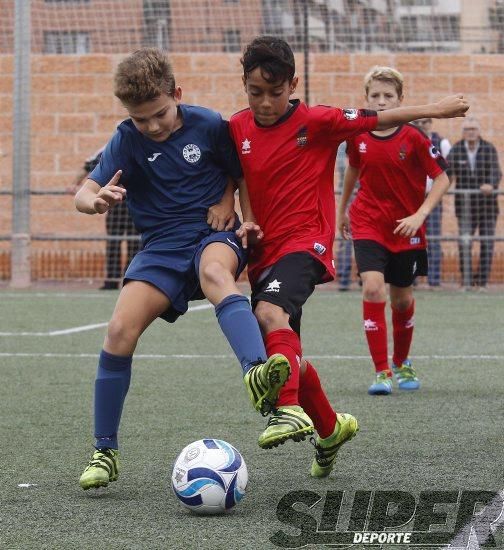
{"x":385,"y":74}
{"x":144,"y":75}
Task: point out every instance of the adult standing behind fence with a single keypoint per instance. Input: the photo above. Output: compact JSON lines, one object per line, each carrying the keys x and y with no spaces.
{"x":434,"y":220}
{"x":474,"y":166}
{"x":117,"y":223}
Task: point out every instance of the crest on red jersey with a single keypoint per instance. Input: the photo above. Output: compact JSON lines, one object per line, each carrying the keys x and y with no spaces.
{"x":302,"y":136}
{"x":402,"y":152}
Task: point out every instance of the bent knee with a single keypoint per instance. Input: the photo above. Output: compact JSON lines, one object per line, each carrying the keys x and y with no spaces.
{"x":121,"y":335}
{"x":215,"y":273}
{"x":271,"y":317}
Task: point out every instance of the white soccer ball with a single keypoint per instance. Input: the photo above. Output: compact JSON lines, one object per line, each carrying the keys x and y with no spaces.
{"x":209,"y":476}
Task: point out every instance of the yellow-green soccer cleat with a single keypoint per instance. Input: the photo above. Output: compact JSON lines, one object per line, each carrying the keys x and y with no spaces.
{"x":264,"y":382}
{"x":326,"y":450}
{"x":289,"y":422}
{"x":102,"y":468}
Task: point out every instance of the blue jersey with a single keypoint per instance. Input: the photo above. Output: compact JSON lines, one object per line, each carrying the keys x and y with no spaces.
{"x":170,"y":185}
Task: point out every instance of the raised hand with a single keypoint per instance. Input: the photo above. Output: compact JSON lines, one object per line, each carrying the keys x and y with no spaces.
{"x":109,"y":195}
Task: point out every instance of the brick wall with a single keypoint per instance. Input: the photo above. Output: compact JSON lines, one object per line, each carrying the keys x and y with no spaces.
{"x":74,"y":111}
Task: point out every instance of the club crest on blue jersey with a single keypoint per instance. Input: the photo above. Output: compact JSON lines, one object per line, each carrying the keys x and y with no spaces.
{"x":302,"y":136}
{"x":192,"y":153}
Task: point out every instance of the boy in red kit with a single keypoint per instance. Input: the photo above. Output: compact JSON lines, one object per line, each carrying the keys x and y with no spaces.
{"x":387,"y":224}
{"x":288,"y":151}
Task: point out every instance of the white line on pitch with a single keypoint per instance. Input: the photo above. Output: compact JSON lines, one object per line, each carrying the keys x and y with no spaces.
{"x":84,"y":328}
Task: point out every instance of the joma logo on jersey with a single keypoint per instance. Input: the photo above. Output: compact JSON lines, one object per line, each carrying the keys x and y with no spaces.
{"x":362,"y":147}
{"x":191,"y":153}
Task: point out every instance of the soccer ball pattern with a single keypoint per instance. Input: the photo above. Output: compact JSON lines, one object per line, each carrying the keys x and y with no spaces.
{"x":209,"y":476}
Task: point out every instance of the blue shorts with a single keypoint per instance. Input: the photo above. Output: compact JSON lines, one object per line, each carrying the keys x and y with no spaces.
{"x":176,"y":272}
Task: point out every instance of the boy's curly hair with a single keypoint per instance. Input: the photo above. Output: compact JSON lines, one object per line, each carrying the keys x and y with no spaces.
{"x":273,"y":55}
{"x":144,"y":75}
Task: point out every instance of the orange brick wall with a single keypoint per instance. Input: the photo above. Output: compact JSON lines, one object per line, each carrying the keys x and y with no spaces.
{"x":74,"y":111}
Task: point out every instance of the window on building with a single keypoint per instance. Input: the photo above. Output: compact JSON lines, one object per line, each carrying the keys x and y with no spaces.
{"x":63,"y":42}
{"x":232,"y":40}
{"x":156,"y":23}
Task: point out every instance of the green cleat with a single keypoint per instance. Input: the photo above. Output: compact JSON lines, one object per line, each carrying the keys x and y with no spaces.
{"x":326,"y":450}
{"x":264,"y":382}
{"x":102,"y":468}
{"x":289,"y":422}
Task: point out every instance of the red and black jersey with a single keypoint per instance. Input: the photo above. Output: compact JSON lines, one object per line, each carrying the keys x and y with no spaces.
{"x":289,"y":170}
{"x":392,"y":175}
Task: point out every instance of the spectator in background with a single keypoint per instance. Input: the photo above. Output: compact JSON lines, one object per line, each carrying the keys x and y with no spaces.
{"x":434,"y":220}
{"x":117,"y":223}
{"x":474,"y":166}
{"x":344,"y":254}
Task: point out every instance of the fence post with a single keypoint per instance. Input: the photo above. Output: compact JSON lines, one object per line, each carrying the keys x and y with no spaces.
{"x":20,"y":242}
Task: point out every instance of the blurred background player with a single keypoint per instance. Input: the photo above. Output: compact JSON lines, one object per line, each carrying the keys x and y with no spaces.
{"x":434,"y":221}
{"x":473,"y":164}
{"x":118,"y":222}
{"x":387,"y":224}
{"x":344,"y":254}
{"x":288,"y":154}
{"x":174,"y":160}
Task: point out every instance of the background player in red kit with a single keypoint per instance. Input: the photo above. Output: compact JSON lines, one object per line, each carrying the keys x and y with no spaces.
{"x":387,"y":224}
{"x":287,"y":151}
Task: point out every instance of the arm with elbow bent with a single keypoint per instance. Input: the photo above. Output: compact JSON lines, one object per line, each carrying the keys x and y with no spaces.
{"x":94,"y":199}
{"x":409,"y":226}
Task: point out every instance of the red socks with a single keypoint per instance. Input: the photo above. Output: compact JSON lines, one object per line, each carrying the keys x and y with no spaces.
{"x":286,"y":342}
{"x":403,"y":323}
{"x":315,"y":404}
{"x":375,"y":328}
{"x":304,"y":390}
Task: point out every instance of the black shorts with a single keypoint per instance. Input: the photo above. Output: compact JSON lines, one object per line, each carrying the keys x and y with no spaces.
{"x":399,"y":268}
{"x":288,"y":284}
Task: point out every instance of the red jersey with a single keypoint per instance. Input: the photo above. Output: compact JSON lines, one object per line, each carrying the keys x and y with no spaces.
{"x":392,"y":176}
{"x":289,"y":170}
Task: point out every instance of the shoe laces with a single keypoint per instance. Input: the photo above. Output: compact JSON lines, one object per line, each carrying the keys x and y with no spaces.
{"x":406,"y":372}
{"x":322,"y":455}
{"x":382,"y":377}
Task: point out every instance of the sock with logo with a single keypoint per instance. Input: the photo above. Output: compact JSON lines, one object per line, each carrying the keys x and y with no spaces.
{"x":111,"y":386}
{"x":313,"y":399}
{"x":375,"y":327}
{"x":403,"y":323}
{"x":241,"y":329}
{"x":286,"y":342}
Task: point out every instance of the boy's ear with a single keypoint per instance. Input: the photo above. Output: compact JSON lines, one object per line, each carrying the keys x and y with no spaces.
{"x":177,"y":94}
{"x":293,"y":84}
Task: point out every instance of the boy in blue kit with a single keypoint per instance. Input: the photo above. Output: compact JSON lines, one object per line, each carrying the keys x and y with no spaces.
{"x":171,"y":162}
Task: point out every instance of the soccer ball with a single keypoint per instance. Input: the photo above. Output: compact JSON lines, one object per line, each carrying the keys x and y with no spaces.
{"x":209,"y":476}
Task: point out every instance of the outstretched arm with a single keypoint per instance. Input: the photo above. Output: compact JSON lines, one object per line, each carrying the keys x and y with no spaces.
{"x":449,"y":107}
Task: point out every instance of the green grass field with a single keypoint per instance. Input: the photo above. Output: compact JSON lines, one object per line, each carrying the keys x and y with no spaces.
{"x":186,"y":385}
